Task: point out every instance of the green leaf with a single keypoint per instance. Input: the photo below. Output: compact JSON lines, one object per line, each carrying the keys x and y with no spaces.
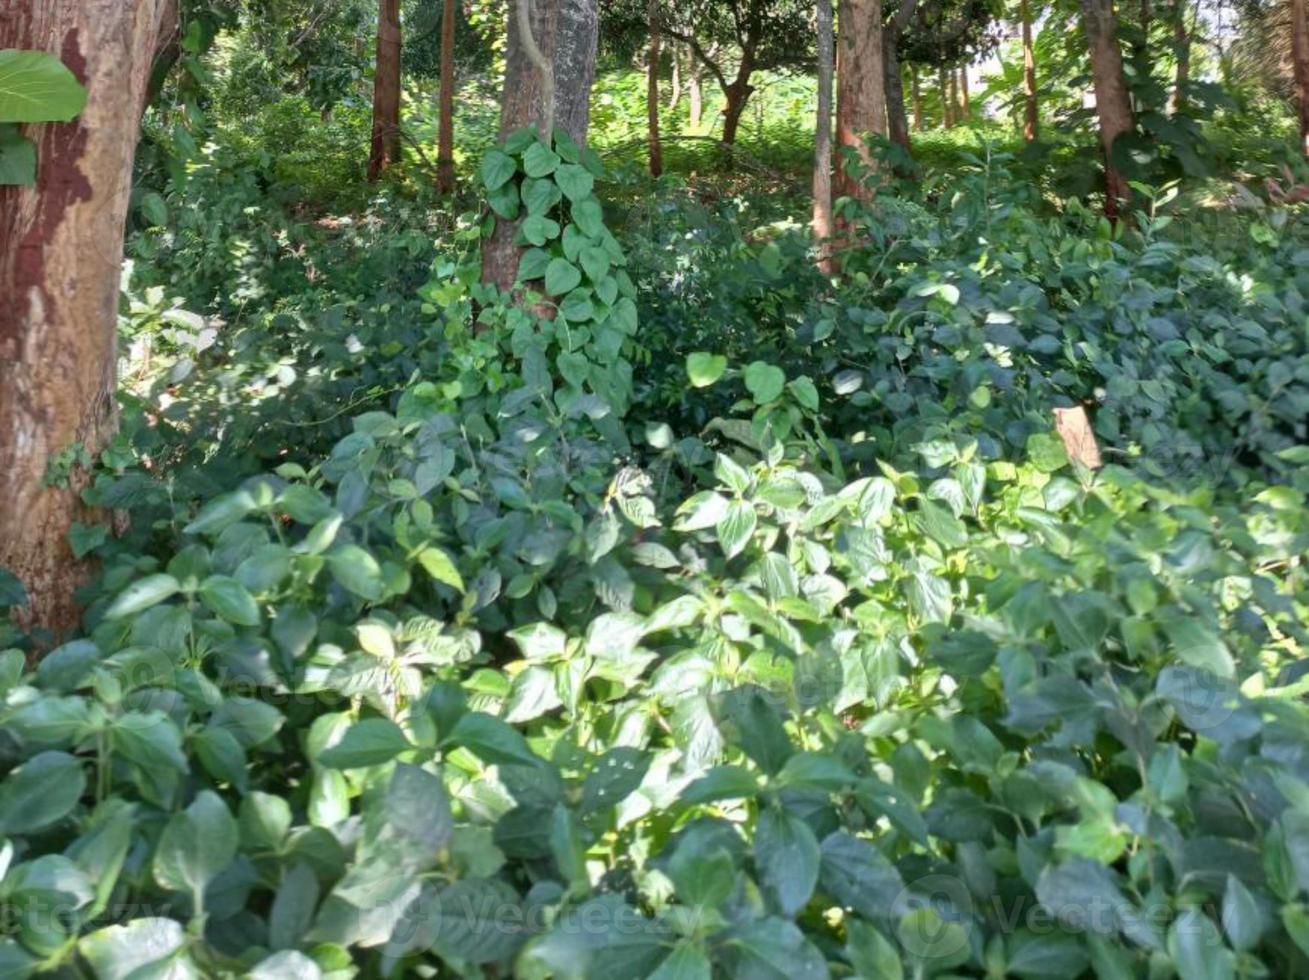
{"x":859,"y":876}
{"x":786,"y":855}
{"x":561,"y":276}
{"x":687,"y":961}
{"x":492,"y":740}
{"x":229,"y":600}
{"x":17,"y":158}
{"x":737,"y":527}
{"x":702,"y":880}
{"x":538,"y":229}
{"x":141,"y":948}
{"x":704,"y":369}
{"x":196,"y":845}
{"x":357,"y":571}
{"x":1243,"y":920}
{"x":748,"y":720}
{"x":721,"y":783}
{"x":929,"y":938}
{"x":871,"y":953}
{"x":575,"y":181}
{"x":1198,"y":950}
{"x":289,"y":964}
{"x":142,"y":594}
{"x":497,"y":169}
{"x":615,"y":776}
{"x":1046,"y":452}
{"x":37,"y":87}
{"x":438,"y":564}
{"x":366,"y":743}
{"x":539,"y":161}
{"x":589,"y":217}
{"x":764,"y":381}
{"x":42,"y":791}
{"x":540,"y":641}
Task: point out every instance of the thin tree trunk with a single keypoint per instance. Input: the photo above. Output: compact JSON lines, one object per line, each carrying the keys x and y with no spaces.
{"x":952,"y":100}
{"x":897,"y":123}
{"x":965,"y":104}
{"x":1031,"y":110}
{"x":675,"y":83}
{"x":917,"y":93}
{"x":386,"y":91}
{"x":564,"y":33}
{"x":695,"y":97}
{"x":652,"y":93}
{"x":61,"y":253}
{"x":1300,"y":58}
{"x":1182,"y":53}
{"x":1112,"y":104}
{"x":822,"y":222}
{"x":445,"y":156}
{"x":860,"y":90}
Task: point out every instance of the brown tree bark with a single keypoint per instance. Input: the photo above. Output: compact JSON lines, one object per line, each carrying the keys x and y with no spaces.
{"x":1182,"y":53}
{"x":737,"y":95}
{"x":965,"y":103}
{"x":652,"y":93}
{"x":897,"y":120}
{"x":860,"y":89}
{"x":822,"y":221}
{"x":565,"y":34}
{"x":1300,"y":60}
{"x":445,"y":153}
{"x":1031,"y":110}
{"x":1112,"y":104}
{"x":385,"y":149}
{"x":952,"y":99}
{"x":61,"y":251}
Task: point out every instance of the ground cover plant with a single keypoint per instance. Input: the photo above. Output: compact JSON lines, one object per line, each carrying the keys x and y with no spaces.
{"x":585,"y":573}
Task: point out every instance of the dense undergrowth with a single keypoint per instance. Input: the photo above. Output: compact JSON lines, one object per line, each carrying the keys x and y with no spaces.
{"x":729,"y":620}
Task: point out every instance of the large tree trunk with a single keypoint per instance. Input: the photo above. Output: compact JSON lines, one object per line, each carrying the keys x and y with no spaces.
{"x":822,"y":223}
{"x":652,"y":93}
{"x":860,"y":89}
{"x":1300,"y":58}
{"x":385,"y":149}
{"x":1112,"y":104}
{"x":61,"y":251}
{"x":565,"y":33}
{"x":445,"y":154}
{"x":1031,"y":111}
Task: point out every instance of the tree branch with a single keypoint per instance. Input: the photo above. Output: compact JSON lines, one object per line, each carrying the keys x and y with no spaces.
{"x":534,"y":55}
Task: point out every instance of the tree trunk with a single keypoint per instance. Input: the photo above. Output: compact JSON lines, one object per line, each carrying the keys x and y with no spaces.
{"x":965,"y":104}
{"x":675,"y":83}
{"x":566,"y":33}
{"x":1031,"y":110}
{"x":822,"y":223}
{"x":1112,"y":104}
{"x":445,"y":154}
{"x":61,"y":253}
{"x":897,"y":119}
{"x":860,"y":90}
{"x":386,"y":90}
{"x":917,"y":94}
{"x":952,"y":99}
{"x":1300,"y":58}
{"x":694,"y":97}
{"x":737,"y":95}
{"x":652,"y":93}
{"x":1182,"y":52}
